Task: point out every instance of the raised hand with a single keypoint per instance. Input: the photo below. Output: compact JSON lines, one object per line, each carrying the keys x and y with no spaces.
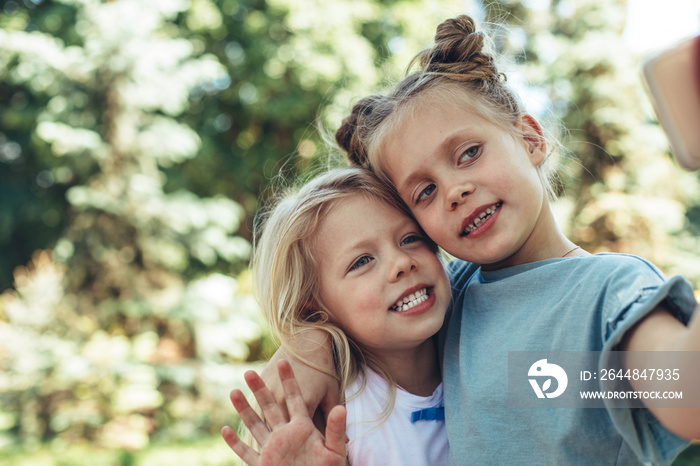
{"x":283,"y":441}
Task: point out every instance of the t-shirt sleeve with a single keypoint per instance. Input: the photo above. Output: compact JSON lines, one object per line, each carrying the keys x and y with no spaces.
{"x":650,"y":440}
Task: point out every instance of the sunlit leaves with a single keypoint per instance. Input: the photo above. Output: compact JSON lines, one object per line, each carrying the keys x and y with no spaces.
{"x":91,"y":323}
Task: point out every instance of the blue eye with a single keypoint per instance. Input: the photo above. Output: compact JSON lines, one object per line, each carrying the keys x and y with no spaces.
{"x":423,"y":195}
{"x":411,"y":239}
{"x":469,"y":155}
{"x":362,"y":261}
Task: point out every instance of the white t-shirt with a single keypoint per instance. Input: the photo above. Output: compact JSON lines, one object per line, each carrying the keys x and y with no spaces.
{"x":395,"y":440}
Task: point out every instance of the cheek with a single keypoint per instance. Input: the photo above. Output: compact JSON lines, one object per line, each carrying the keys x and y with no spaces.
{"x":432,"y":224}
{"x":360,"y":299}
{"x":529,"y":185}
{"x":427,"y":259}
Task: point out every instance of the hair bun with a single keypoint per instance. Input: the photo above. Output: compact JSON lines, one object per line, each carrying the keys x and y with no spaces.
{"x":458,"y":51}
{"x":350,"y":134}
{"x":457,"y":39}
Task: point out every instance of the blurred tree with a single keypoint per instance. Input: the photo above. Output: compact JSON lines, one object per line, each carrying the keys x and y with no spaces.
{"x":32,"y":205}
{"x":621,"y":190}
{"x":97,"y":116}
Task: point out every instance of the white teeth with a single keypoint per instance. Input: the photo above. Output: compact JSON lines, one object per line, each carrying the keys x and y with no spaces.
{"x":480,"y":219}
{"x":410,"y":301}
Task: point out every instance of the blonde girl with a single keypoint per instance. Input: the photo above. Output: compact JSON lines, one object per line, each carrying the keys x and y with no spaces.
{"x":342,"y":256}
{"x":470,"y":163}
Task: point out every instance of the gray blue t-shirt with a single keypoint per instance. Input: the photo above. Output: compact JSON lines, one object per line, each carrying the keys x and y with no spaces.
{"x":583,"y":303}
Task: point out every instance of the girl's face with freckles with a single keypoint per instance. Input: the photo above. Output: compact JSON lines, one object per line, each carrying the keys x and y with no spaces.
{"x":379,"y":278}
{"x":473,"y":187}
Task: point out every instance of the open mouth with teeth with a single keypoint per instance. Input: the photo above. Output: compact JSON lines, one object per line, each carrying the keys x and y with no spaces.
{"x":481,"y":218}
{"x":411,"y":300}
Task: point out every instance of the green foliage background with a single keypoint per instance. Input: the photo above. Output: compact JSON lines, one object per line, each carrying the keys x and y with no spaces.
{"x":137,"y":139}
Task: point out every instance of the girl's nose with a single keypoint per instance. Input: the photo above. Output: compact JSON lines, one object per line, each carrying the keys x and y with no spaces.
{"x":402,"y":264}
{"x":457,"y":194}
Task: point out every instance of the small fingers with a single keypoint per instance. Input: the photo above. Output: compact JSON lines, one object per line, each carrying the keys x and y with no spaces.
{"x":335,"y":430}
{"x":247,"y":454}
{"x":274,"y":415}
{"x":295,"y":402}
{"x":270,"y":377}
{"x":250,"y":418}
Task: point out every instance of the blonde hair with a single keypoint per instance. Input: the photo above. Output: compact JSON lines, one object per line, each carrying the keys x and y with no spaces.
{"x":285,"y":270}
{"x":456,"y":71}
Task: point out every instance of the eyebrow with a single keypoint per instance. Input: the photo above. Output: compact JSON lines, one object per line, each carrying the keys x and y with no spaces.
{"x":347,"y":253}
{"x":364,"y":244}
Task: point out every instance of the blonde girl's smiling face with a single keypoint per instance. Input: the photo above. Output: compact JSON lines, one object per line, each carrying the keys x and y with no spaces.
{"x":474,"y":187}
{"x":371,"y":258}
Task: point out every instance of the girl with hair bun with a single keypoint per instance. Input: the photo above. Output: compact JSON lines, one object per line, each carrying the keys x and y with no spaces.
{"x":343,"y":256}
{"x":456,"y":144}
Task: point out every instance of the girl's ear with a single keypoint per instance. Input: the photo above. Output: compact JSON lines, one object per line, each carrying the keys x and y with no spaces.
{"x":533,"y":136}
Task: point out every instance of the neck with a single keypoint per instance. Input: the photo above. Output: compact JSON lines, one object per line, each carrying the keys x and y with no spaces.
{"x":415,"y":370}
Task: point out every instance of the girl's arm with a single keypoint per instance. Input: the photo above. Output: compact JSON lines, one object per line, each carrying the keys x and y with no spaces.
{"x":285,"y":440}
{"x":661,"y":332}
{"x":319,"y":389}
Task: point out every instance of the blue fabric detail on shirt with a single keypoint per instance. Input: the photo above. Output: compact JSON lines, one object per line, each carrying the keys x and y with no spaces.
{"x":428,"y":414}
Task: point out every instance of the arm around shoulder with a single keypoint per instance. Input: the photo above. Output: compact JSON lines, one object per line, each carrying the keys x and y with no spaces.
{"x":311,"y":357}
